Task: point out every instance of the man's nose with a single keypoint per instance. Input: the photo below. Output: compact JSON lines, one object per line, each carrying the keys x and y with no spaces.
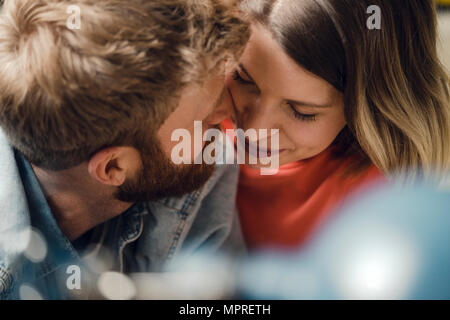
{"x":222,"y":110}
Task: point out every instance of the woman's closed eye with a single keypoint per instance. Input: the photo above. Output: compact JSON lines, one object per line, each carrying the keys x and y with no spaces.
{"x":296,"y":114}
{"x":237,"y":77}
{"x":301,"y":116}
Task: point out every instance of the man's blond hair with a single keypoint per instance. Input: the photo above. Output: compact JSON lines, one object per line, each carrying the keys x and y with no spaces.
{"x":67,"y":93}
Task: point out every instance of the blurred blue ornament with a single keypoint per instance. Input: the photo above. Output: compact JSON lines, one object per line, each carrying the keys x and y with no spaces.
{"x":393,"y":243}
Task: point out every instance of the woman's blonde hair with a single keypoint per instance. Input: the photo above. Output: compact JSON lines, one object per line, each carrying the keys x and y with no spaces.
{"x":396,"y":91}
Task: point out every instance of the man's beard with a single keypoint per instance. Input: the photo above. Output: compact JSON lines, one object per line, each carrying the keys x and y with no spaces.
{"x":160,"y":178}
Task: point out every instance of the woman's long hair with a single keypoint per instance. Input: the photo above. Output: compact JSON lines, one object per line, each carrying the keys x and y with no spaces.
{"x":396,"y":92}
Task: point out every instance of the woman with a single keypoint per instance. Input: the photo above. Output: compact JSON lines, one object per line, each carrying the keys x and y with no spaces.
{"x":353,"y":105}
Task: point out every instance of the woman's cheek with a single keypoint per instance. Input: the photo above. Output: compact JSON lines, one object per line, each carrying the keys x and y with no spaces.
{"x":308,"y":137}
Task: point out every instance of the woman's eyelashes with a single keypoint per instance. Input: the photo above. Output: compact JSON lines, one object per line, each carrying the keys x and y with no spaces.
{"x":297,"y":115}
{"x":237,"y":77}
{"x":301,"y":116}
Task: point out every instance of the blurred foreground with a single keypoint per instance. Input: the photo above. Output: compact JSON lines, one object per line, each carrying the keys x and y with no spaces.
{"x":391,"y":244}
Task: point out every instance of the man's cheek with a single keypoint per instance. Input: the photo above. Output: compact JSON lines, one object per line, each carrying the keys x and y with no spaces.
{"x":167,"y":148}
{"x":182,"y":147}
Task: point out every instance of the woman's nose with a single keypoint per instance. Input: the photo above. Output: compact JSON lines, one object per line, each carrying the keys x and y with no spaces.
{"x":259,"y":115}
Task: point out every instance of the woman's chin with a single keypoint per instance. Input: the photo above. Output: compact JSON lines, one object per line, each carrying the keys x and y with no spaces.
{"x":268,"y":164}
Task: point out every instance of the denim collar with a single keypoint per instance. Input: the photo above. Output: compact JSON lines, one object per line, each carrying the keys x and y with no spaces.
{"x":184,"y":204}
{"x":59,"y":249}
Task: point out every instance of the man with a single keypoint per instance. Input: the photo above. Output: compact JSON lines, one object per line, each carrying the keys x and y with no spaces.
{"x":87,"y":109}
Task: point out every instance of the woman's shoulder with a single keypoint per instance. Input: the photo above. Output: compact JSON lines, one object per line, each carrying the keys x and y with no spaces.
{"x":355,"y":175}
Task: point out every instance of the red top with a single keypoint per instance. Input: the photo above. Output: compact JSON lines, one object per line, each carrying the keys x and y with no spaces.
{"x":284,"y":209}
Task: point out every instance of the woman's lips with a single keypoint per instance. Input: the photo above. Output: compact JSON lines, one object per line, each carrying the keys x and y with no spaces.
{"x":254,"y":150}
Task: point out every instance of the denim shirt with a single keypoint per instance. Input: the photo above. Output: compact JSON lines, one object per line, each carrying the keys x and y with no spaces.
{"x":145,"y":238}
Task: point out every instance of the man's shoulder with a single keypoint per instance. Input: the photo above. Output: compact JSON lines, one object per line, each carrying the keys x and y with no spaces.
{"x":224,"y":179}
{"x":14,"y":217}
{"x":14,"y":208}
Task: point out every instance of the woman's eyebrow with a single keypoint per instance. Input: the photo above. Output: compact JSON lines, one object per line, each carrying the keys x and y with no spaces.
{"x":297,"y":103}
{"x":308,"y":104}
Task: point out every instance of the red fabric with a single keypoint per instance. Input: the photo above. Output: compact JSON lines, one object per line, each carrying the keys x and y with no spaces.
{"x":283,"y":210}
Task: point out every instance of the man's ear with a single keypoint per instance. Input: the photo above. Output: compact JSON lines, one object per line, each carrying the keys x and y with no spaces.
{"x":113,"y":165}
